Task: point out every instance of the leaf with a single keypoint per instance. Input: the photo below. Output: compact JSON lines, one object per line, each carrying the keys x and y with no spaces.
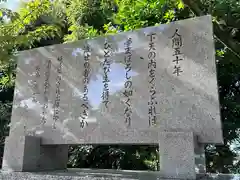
{"x":180,"y":5}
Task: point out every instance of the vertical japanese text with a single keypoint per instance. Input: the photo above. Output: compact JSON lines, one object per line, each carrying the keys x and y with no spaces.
{"x":128,"y":84}
{"x":152,"y":118}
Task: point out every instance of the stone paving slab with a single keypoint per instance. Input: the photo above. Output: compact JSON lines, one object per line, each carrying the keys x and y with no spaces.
{"x":103,"y":174}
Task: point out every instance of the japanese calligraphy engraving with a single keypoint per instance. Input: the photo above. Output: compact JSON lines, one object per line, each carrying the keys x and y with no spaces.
{"x":46,"y":91}
{"x":106,"y":70}
{"x":152,"y":118}
{"x":57,"y":97}
{"x":86,"y":72}
{"x":35,"y":84}
{"x":122,"y":88}
{"x":176,"y":45}
{"x":128,"y":84}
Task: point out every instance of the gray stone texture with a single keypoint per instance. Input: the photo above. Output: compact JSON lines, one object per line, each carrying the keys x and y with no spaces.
{"x":49,"y":94}
{"x":21,"y":153}
{"x":88,"y":174}
{"x":177,"y":155}
{"x":185,"y":103}
{"x":25,"y":153}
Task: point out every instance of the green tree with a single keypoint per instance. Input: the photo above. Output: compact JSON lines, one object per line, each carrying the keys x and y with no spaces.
{"x":227,"y":35}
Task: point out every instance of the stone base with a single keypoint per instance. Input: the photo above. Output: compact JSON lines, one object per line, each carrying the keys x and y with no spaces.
{"x":26,"y":153}
{"x":177,"y":155}
{"x":89,"y":174}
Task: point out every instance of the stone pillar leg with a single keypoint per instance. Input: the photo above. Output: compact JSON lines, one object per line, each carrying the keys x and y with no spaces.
{"x":177,"y":155}
{"x":21,"y":153}
{"x":25,"y":153}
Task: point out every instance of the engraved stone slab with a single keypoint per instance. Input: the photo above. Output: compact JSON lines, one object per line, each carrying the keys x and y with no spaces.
{"x":124,"y":88}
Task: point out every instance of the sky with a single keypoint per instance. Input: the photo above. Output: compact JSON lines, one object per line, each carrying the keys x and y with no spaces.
{"x":11,"y":4}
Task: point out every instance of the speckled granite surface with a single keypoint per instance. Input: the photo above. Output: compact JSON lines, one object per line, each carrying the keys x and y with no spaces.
{"x":50,"y":88}
{"x":88,"y":174}
{"x":169,"y":106}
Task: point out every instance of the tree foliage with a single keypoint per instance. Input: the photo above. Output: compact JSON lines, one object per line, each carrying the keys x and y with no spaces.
{"x":43,"y":22}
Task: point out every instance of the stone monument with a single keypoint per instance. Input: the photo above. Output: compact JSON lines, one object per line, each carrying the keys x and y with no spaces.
{"x":155,"y":85}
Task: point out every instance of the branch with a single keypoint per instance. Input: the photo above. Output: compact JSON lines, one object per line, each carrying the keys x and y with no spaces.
{"x":222,"y":35}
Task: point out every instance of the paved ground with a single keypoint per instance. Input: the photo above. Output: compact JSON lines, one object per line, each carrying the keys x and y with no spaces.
{"x":88,"y":174}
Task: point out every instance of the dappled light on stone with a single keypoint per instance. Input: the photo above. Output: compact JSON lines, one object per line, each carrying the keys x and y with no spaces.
{"x":155,"y":85}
